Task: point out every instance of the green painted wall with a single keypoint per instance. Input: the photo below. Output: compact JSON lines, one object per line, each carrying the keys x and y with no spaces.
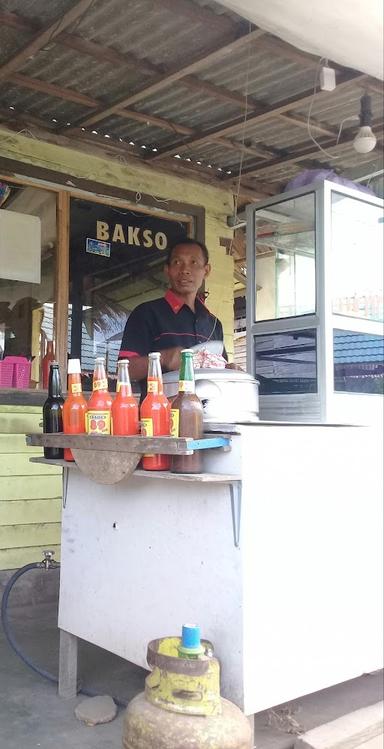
{"x":30,"y":493}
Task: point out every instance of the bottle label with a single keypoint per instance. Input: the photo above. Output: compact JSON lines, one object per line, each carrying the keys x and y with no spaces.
{"x":76,"y":387}
{"x":186,"y":386}
{"x":98,"y":422}
{"x":147,"y":431}
{"x":153,"y":387}
{"x":175,"y":420}
{"x":100,"y":385}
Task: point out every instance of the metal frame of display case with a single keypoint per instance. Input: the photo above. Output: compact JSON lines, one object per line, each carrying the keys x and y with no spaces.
{"x":320,"y":406}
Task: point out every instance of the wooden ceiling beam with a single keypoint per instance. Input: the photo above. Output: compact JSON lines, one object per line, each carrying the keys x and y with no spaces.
{"x":302,"y":122}
{"x":68,"y":94}
{"x":111,"y":56}
{"x":202,"y":61}
{"x":304,"y":152}
{"x":267,"y":113}
{"x":44,"y":36}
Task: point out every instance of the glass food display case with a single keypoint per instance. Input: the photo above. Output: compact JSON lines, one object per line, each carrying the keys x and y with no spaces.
{"x":315,"y":304}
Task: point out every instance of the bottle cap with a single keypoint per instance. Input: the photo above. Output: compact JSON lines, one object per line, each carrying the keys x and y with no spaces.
{"x":123,"y":361}
{"x":74,"y":366}
{"x":187,"y":351}
{"x":100,"y":360}
{"x":154,"y":354}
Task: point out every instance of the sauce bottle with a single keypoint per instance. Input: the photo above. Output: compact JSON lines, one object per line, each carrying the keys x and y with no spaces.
{"x":46,"y":361}
{"x":125,"y":411}
{"x":98,"y":420}
{"x":53,"y":412}
{"x":187,"y":417}
{"x":155,"y":414}
{"x":75,"y":406}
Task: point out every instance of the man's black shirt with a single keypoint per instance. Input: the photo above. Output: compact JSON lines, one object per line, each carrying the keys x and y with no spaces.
{"x":166,"y":323}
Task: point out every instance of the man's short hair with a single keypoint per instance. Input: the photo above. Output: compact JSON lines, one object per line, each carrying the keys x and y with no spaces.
{"x":188,"y":241}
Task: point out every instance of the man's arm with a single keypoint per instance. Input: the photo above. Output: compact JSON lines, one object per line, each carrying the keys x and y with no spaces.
{"x":169,"y":359}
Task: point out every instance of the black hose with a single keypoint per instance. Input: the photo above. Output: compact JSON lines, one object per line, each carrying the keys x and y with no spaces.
{"x":11,"y":638}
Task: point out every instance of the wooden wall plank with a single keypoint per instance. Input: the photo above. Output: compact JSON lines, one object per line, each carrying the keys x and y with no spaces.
{"x":17,"y":464}
{"x":34,"y":487}
{"x":14,"y":443}
{"x":11,"y":559}
{"x":29,"y":511}
{"x":18,"y":422}
{"x":20,"y":536}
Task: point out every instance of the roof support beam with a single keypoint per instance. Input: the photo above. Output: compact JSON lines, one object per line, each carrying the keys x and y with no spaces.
{"x":266,"y":113}
{"x":177,"y":75}
{"x":44,"y":36}
{"x":111,"y":56}
{"x":305,"y":152}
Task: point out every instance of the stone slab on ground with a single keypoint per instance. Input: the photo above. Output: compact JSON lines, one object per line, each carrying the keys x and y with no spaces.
{"x":95,"y":710}
{"x":347,"y":732}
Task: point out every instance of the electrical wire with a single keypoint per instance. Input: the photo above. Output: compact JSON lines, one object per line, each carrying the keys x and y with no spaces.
{"x":353,"y":117}
{"x":311,"y":136}
{"x":244,"y":125}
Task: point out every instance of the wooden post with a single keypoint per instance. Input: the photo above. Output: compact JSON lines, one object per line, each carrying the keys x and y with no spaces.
{"x":62,"y":283}
{"x":67,"y":665}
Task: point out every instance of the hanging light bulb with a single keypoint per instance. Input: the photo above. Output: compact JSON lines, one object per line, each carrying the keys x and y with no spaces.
{"x":365,"y":139}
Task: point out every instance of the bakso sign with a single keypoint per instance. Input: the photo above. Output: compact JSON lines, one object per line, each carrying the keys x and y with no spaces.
{"x":131,"y":235}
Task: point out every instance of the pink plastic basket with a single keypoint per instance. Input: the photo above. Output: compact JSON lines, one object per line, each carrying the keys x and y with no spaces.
{"x":6,"y":373}
{"x":17,"y":372}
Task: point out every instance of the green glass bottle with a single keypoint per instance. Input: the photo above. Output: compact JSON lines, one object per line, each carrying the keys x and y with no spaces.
{"x":187,"y":416}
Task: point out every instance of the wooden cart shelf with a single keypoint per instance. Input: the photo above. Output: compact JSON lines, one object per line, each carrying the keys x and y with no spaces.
{"x":217,"y":478}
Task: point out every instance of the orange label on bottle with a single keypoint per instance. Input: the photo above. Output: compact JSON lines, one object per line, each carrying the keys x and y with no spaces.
{"x":98,"y":422}
{"x":186,"y":386}
{"x":100,"y":385}
{"x":76,"y":387}
{"x":153,"y":387}
{"x":147,"y":431}
{"x":175,"y":419}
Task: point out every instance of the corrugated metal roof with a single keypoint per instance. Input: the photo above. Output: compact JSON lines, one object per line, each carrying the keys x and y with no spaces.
{"x":132,"y":45}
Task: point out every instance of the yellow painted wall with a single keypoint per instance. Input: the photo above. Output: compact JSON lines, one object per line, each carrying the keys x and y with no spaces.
{"x":30,"y":493}
{"x":218,"y":203}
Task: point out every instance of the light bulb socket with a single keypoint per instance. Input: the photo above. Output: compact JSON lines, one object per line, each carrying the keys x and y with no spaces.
{"x":365,"y":111}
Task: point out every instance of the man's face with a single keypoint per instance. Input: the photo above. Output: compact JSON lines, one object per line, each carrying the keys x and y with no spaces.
{"x":187,"y":269}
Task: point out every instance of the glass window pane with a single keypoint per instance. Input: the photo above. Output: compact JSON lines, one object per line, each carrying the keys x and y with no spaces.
{"x":357,"y":258}
{"x":285,"y":259}
{"x":286,"y":362}
{"x":358,"y":362}
{"x":28,"y":257}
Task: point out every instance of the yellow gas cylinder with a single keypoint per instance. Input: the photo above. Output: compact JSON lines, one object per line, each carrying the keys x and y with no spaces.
{"x":181,"y":707}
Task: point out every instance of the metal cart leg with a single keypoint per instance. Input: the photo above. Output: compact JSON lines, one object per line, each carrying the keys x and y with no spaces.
{"x":67,"y":665}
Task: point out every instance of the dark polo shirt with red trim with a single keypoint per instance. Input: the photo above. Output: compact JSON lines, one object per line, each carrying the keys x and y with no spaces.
{"x":165,"y":323}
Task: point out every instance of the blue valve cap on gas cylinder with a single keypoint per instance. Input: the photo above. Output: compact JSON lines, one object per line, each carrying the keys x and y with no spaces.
{"x":190,"y":636}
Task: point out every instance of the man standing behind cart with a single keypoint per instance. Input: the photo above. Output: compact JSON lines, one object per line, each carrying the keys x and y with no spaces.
{"x":178,"y":320}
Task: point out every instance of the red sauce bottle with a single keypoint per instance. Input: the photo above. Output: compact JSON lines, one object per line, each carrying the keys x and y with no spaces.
{"x":155,"y":414}
{"x":125,"y":411}
{"x":75,"y":406}
{"x":100,"y":402}
{"x":45,"y":363}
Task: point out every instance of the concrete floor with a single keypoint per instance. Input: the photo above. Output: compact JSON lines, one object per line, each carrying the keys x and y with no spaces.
{"x":32,"y":715}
